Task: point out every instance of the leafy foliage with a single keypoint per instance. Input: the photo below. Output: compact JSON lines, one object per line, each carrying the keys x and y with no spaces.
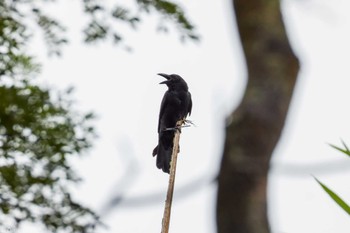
{"x":102,"y":20}
{"x":173,"y":12}
{"x":13,"y":37}
{"x":52,"y":30}
{"x":39,"y":131}
{"x":37,"y":136}
{"x":100,"y":28}
{"x":332,"y":194}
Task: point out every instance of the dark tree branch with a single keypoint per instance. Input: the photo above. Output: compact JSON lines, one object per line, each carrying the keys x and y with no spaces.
{"x":258,"y":121}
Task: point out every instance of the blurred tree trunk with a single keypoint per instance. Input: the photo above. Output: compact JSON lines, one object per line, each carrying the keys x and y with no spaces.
{"x":256,"y":125}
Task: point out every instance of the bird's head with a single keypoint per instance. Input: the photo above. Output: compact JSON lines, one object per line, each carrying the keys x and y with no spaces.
{"x":174,"y":81}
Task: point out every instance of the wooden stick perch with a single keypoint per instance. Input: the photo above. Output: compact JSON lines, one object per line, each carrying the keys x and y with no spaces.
{"x":169,"y":196}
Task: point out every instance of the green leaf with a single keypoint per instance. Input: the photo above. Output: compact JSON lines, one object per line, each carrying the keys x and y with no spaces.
{"x":345,"y":151}
{"x":335,"y":197}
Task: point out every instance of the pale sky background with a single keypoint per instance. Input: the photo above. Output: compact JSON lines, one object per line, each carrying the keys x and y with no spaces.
{"x":122,"y":89}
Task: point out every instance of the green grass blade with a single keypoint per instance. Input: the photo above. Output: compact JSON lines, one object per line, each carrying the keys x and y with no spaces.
{"x":346,"y":148}
{"x":335,"y":197}
{"x":345,"y":151}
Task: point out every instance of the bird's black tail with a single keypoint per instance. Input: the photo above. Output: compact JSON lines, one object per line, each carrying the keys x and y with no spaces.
{"x":163,"y":157}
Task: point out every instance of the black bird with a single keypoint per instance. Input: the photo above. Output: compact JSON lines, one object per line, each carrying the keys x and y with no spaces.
{"x":176,"y":105}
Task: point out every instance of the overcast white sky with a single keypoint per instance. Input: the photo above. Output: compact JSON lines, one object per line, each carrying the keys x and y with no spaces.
{"x":122,"y":89}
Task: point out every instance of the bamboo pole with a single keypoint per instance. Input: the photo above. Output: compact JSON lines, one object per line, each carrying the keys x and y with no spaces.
{"x":169,"y":196}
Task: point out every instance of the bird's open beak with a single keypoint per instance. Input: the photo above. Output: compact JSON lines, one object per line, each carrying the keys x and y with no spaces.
{"x":165,"y":76}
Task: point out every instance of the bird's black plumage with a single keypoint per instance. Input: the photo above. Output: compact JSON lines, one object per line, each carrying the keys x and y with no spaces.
{"x":176,"y":105}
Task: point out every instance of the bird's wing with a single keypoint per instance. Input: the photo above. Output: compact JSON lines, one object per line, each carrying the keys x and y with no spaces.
{"x":163,"y":106}
{"x":189,"y":110}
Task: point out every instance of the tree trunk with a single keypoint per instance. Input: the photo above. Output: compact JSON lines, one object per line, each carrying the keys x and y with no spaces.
{"x":257,"y":123}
